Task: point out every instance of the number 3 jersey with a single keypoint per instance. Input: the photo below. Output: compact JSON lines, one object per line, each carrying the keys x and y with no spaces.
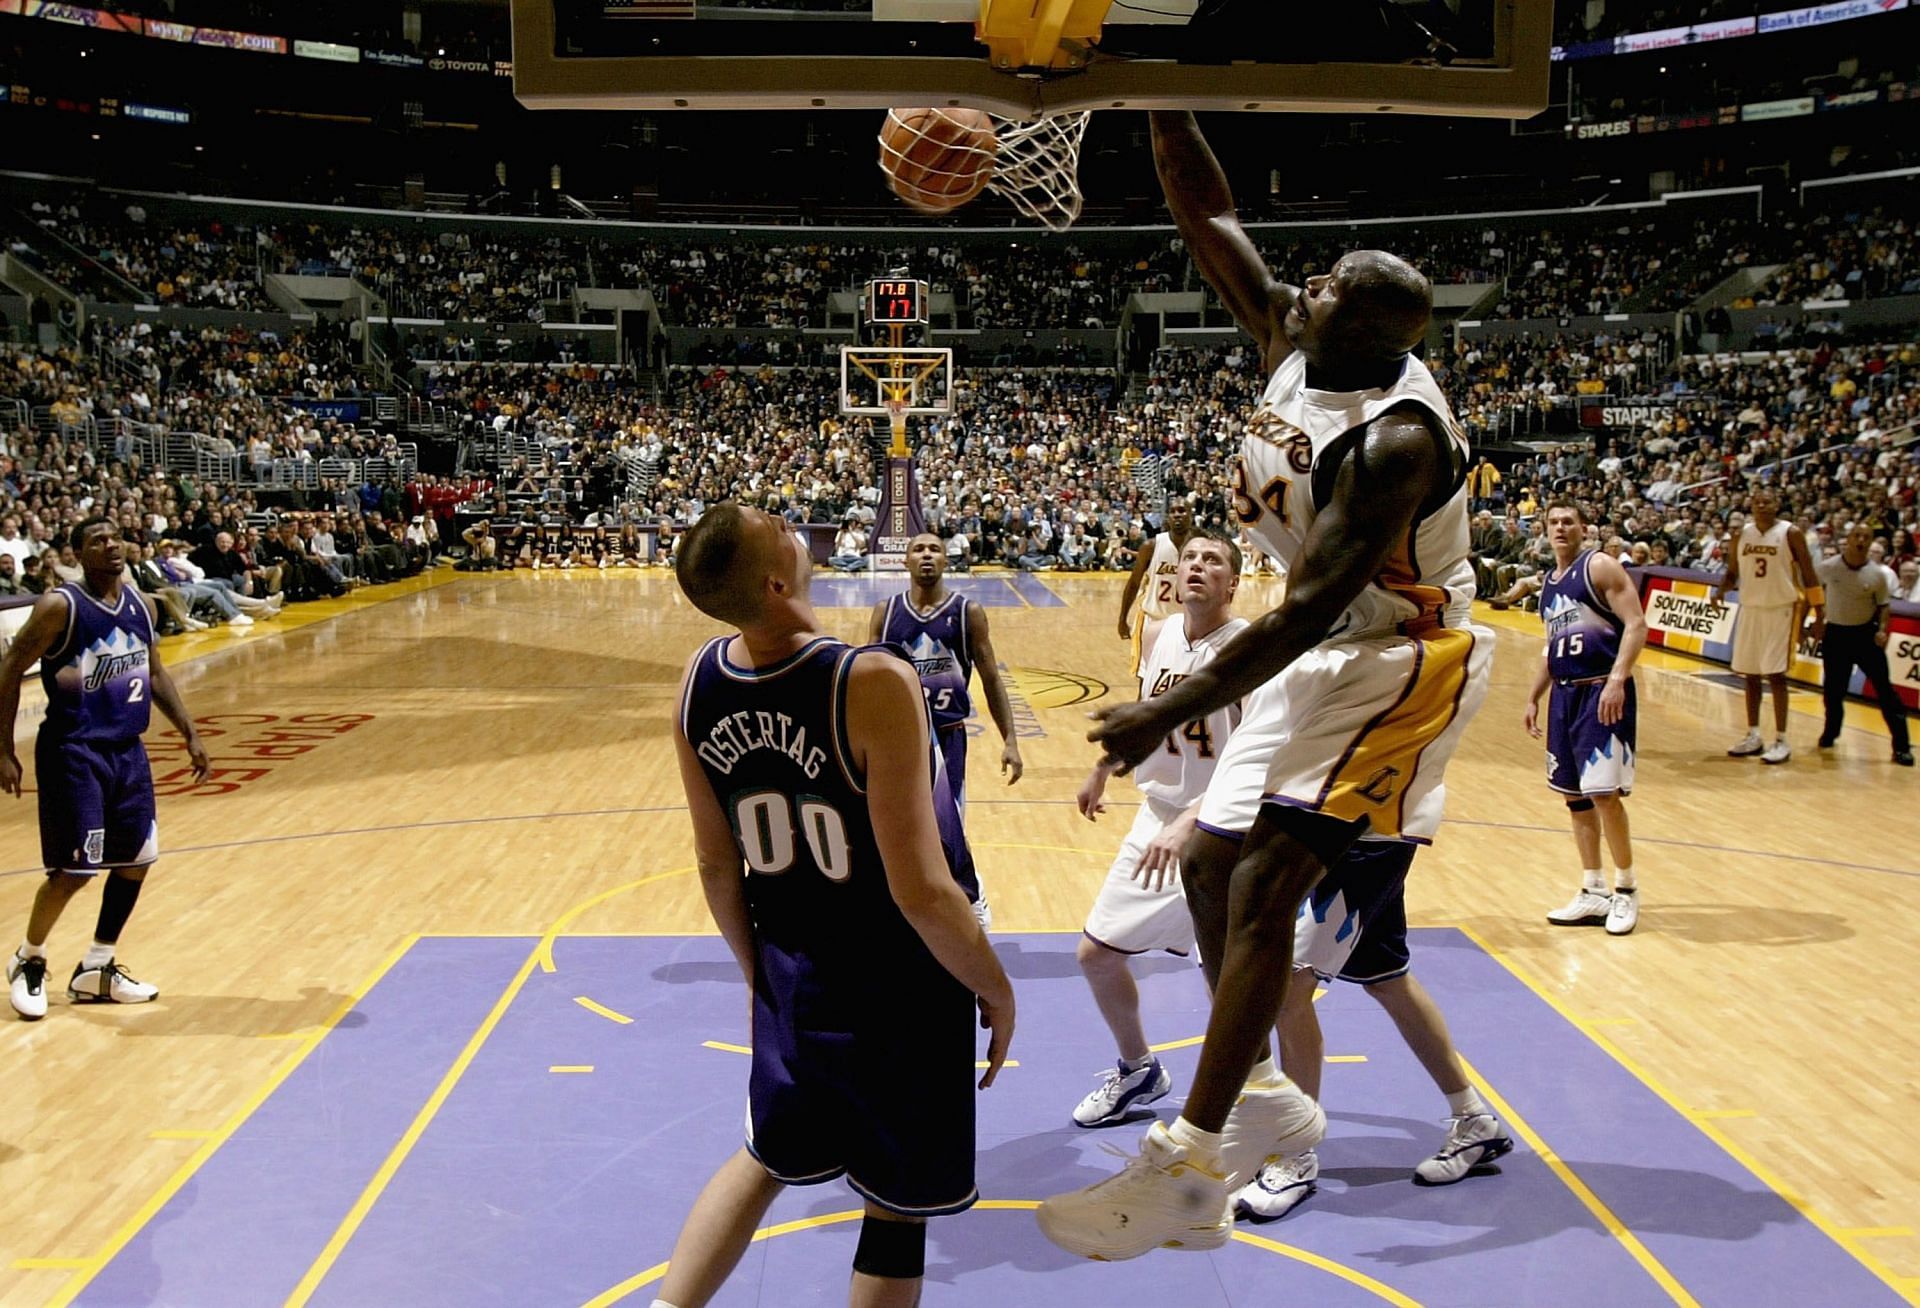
{"x":1178,"y":772}
{"x":941,"y":653}
{"x":772,"y":744}
{"x":1295,"y":440}
{"x":98,"y":676}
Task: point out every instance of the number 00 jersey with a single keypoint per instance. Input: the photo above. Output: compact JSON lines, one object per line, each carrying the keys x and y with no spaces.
{"x":1295,"y":440}
{"x":772,"y":743}
{"x":1178,"y":772}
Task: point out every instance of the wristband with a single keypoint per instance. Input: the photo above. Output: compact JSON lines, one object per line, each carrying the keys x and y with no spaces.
{"x":1817,"y":597}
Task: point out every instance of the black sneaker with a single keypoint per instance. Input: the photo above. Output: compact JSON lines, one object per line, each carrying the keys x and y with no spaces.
{"x":1904,"y":757}
{"x":27,"y":982}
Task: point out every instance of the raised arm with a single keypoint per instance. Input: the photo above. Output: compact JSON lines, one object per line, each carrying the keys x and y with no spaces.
{"x":888,"y":733}
{"x":1379,"y":486}
{"x":999,"y":706}
{"x":44,"y":627}
{"x":1202,"y":206}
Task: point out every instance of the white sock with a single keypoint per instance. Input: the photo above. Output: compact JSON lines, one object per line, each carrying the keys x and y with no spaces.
{"x":98,"y":955}
{"x":1265,"y":1072}
{"x":1203,"y":1147}
{"x":1623,"y":881}
{"x":1594,"y":879}
{"x":30,"y":950}
{"x":1135,"y":1064}
{"x":661,"y":1303}
{"x":1465,"y":1103}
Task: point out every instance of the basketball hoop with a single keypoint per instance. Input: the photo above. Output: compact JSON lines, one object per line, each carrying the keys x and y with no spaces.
{"x":1037,"y":166}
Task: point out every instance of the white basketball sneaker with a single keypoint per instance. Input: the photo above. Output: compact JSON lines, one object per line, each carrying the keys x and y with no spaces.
{"x":1282,"y":1186}
{"x":108,"y":984}
{"x":1778,"y":752}
{"x":1270,"y":1122}
{"x":1473,"y":1141}
{"x":27,"y":982}
{"x":1623,"y":914}
{"x":1160,"y":1200}
{"x":1121,"y":1091}
{"x":1749,"y":745}
{"x":1586,"y":908}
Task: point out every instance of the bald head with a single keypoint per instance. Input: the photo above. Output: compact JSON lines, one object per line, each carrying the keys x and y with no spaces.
{"x":1386,"y":303}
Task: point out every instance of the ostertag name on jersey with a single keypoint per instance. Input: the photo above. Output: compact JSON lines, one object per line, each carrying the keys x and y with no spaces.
{"x":739,"y":734}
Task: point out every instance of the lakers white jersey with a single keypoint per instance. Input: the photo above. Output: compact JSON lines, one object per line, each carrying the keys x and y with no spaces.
{"x":1427,"y":580}
{"x":1163,"y":579}
{"x":1178,"y":772}
{"x":1766,"y":566}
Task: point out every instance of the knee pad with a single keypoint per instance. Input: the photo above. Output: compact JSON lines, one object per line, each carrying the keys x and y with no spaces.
{"x":1580,"y":805}
{"x":893,"y":1249}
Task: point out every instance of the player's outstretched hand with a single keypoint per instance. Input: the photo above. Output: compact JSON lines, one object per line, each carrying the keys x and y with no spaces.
{"x":1533,"y":718}
{"x":1090,"y":800}
{"x":996,"y":1016}
{"x":1010,"y":765}
{"x":10,"y":775}
{"x":1128,"y":733}
{"x":1160,"y":861}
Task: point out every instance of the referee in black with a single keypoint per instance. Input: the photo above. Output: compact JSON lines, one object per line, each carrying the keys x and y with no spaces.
{"x":1858,"y":595}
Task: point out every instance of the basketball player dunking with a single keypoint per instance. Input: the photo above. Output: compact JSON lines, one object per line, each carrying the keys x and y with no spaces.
{"x":811,"y":763}
{"x":1153,"y":579}
{"x":1359,"y":686}
{"x":1766,"y":558}
{"x":94,"y":642}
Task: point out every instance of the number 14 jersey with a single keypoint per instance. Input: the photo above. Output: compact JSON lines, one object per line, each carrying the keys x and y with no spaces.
{"x":1178,"y":772}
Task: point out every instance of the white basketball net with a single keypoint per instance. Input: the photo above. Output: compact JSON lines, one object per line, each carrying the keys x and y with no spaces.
{"x":1035,"y":165}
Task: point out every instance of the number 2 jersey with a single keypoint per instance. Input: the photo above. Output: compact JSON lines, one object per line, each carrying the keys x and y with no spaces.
{"x":1178,"y":772}
{"x":98,"y":675}
{"x":772,"y":744}
{"x":1295,"y":441}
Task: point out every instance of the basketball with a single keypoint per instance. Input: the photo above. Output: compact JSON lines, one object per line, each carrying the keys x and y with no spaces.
{"x":937,"y":159}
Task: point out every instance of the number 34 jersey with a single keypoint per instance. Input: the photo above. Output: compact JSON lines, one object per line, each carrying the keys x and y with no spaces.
{"x":772,"y":744}
{"x":1295,"y":439}
{"x":1178,"y":772}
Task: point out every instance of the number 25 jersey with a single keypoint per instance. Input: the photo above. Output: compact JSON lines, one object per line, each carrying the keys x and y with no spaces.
{"x":1295,"y":439}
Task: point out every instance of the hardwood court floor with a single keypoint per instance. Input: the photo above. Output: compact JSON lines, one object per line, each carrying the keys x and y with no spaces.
{"x":490,"y":755}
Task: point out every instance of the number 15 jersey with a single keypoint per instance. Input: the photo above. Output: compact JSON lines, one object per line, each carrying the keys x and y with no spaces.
{"x":1178,"y":772}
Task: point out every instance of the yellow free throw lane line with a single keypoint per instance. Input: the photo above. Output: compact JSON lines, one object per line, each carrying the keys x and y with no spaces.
{"x":602,"y":1010}
{"x":571,"y":1067}
{"x":1605,"y":1215}
{"x":654,"y":1273}
{"x":1900,"y":1285}
{"x":120,"y":1238}
{"x":421,"y":1120}
{"x":544,"y":951}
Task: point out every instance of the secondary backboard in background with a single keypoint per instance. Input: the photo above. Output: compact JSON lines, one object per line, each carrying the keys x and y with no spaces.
{"x":1028,"y":58}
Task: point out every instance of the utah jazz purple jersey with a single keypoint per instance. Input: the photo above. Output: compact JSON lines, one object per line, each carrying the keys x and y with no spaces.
{"x":941,"y":654}
{"x":1583,"y":634}
{"x":863,"y":1045}
{"x":98,"y":682}
{"x":96,"y":787}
